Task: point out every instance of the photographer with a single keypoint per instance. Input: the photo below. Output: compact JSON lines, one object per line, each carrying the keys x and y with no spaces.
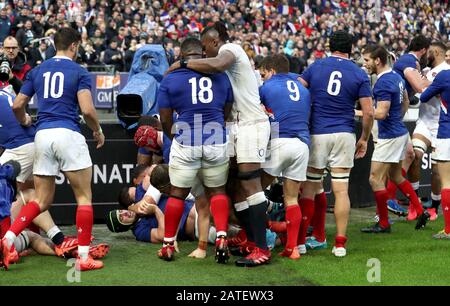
{"x":16,"y":61}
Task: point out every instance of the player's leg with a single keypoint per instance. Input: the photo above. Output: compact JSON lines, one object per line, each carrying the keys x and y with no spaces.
{"x":420,"y":143}
{"x":202,"y":224}
{"x":293,"y":217}
{"x":41,"y":245}
{"x":45,"y":189}
{"x":435,"y":190}
{"x":444,"y":170}
{"x":378,"y":174}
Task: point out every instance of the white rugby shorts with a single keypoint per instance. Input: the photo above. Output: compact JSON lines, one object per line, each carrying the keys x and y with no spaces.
{"x":24,"y":155}
{"x":332,"y":150}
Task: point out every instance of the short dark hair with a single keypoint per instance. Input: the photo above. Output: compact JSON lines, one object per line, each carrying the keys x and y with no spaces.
{"x":280,"y":63}
{"x":440,"y":45}
{"x":64,"y":37}
{"x":151,"y":121}
{"x":266,"y":63}
{"x":191,"y":45}
{"x":138,"y":170}
{"x":419,"y":42}
{"x":376,"y":51}
{"x":221,"y":30}
{"x":341,"y":41}
{"x":160,"y":176}
{"x":124,"y":198}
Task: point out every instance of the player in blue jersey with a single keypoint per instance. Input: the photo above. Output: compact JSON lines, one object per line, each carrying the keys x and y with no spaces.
{"x":391,"y":103}
{"x":63,"y":88}
{"x":441,"y":86}
{"x":335,"y":84}
{"x":199,"y":145}
{"x":408,"y":66}
{"x":16,"y":140}
{"x":289,"y":103}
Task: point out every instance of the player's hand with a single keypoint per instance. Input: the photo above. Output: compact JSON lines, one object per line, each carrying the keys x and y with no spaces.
{"x":99,"y":138}
{"x":361,"y":149}
{"x":198,"y":253}
{"x":174,"y":66}
{"x":28,"y":121}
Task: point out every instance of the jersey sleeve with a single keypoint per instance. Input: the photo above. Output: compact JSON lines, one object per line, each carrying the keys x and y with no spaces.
{"x":85,"y":80}
{"x":27,"y":88}
{"x":262,"y":94}
{"x":382,"y":92}
{"x":434,"y":89}
{"x":163,"y":94}
{"x":307,"y":74}
{"x":364,"y":88}
{"x":230,"y":95}
{"x":231,"y":48}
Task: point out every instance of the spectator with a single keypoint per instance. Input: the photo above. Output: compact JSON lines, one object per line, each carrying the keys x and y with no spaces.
{"x":113,"y":56}
{"x":38,"y":54}
{"x":25,"y":35}
{"x":5,"y":24}
{"x":17,"y":59}
{"x":88,"y":54}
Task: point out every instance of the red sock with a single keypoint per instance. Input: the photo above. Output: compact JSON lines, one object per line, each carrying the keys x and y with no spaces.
{"x":409,"y":192}
{"x":320,"y":212}
{"x":84,"y":220}
{"x":25,"y":217}
{"x":293,"y":220}
{"x":340,"y":241}
{"x":445,"y":202}
{"x":5,"y":224}
{"x":307,"y":207}
{"x":382,"y":197}
{"x":219,"y":211}
{"x":392,"y":190}
{"x":172,"y":216}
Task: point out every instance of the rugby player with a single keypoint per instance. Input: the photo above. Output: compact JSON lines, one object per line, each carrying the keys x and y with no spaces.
{"x":289,"y":103}
{"x":249,"y":135}
{"x":441,"y":86}
{"x":335,"y":83}
{"x":62,"y":88}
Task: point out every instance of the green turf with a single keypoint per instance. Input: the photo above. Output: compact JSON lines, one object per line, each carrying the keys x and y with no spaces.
{"x":407,"y":257}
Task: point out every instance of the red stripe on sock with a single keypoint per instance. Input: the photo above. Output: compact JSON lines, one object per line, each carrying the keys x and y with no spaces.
{"x":25,"y":217}
{"x":445,"y":202}
{"x":5,"y":224}
{"x":293,"y":220}
{"x":320,"y":212}
{"x":307,"y":208}
{"x":219,"y":211}
{"x":382,"y":197}
{"x":84,"y":221}
{"x":172,"y":216}
{"x":409,"y":192}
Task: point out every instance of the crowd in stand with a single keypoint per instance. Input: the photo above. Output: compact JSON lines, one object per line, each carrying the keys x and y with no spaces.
{"x":113,"y":30}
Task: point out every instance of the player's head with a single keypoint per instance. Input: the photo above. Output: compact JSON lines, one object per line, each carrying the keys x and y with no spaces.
{"x":375,"y":58}
{"x":152,"y":121}
{"x":191,"y":47}
{"x":274,"y":64}
{"x":138,"y":174}
{"x":420,"y":45}
{"x":119,"y":221}
{"x":341,"y":41}
{"x":447,"y":56}
{"x":160,"y":178}
{"x":436,"y":54}
{"x":127,"y":196}
{"x":213,"y":37}
{"x":67,"y":40}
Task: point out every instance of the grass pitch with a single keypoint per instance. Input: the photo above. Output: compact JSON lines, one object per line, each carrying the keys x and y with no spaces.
{"x":407,"y":257}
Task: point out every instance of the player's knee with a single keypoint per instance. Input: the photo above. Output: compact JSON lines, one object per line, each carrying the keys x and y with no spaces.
{"x":375,"y":180}
{"x":419,"y":148}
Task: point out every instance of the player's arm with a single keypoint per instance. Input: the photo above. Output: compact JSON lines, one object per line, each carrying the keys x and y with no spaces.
{"x":415,"y":79}
{"x":157,"y":234}
{"x":166,"y":117}
{"x":220,"y":63}
{"x":367,"y":122}
{"x":90,"y":115}
{"x":19,"y":105}
{"x":382,"y":110}
{"x":304,"y":83}
{"x":434,"y":89}
{"x":405,"y":102}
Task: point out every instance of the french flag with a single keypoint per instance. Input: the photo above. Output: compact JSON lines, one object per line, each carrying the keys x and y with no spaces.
{"x":193,"y":27}
{"x":444,"y":106}
{"x":285,"y":9}
{"x":165,"y":18}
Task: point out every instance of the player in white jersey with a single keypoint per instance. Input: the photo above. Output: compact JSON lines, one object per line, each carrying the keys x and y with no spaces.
{"x":248,"y":137}
{"x":424,"y":135}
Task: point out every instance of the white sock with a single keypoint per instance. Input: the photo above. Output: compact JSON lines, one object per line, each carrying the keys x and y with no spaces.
{"x":221,"y":233}
{"x":83,"y":252}
{"x":415,"y":185}
{"x":53,"y":231}
{"x":10,"y":237}
{"x":435,"y":197}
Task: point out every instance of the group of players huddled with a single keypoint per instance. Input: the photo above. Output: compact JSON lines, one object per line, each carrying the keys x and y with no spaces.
{"x":225,"y":133}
